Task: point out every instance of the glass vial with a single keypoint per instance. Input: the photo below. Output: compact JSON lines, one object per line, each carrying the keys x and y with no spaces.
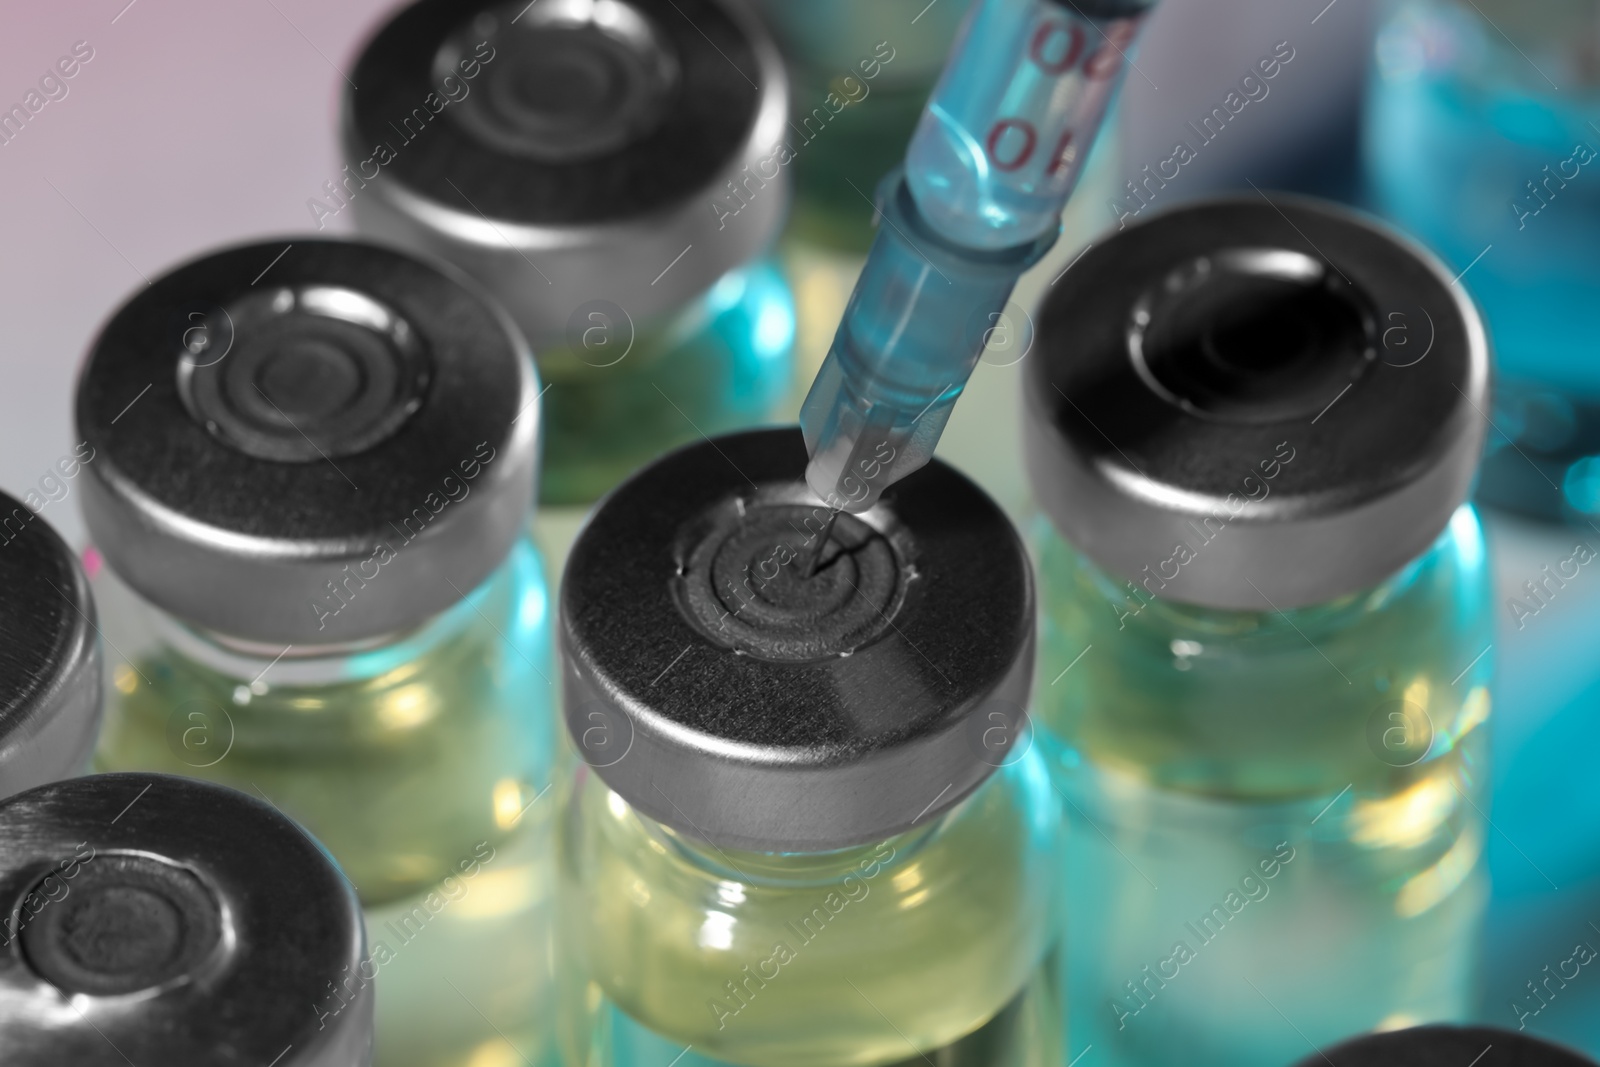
{"x":1266,"y":623}
{"x":314,"y":471}
{"x":607,"y":171}
{"x":50,"y":675}
{"x":808,"y":827}
{"x":225,"y":928}
{"x":1482,"y":140}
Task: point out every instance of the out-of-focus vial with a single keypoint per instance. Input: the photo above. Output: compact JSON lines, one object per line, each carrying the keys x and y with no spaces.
{"x":314,"y":465}
{"x":1483,"y":139}
{"x":1487,"y":1046}
{"x":155,"y":919}
{"x":809,"y":826}
{"x":611,"y":170}
{"x":859,"y":76}
{"x":1266,"y":629}
{"x":50,"y":673}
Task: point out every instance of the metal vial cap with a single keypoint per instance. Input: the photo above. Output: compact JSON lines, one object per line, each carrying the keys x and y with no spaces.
{"x":156,"y":919}
{"x":310,"y":444}
{"x":572,"y":154}
{"x":1255,"y":405}
{"x":1448,"y":1046}
{"x":722,"y":692}
{"x":50,"y":673}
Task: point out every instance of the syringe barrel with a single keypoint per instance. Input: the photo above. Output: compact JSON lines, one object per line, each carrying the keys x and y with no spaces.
{"x":916,"y":324}
{"x":1007,"y":129}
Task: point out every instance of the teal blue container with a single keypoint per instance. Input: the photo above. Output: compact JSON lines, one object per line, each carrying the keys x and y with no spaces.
{"x":1483,"y":139}
{"x":1265,"y":636}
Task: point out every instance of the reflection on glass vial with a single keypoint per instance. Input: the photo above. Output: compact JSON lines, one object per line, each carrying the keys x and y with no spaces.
{"x":360,"y":638}
{"x":50,"y":673}
{"x":1481,"y":141}
{"x":799,"y":789}
{"x":1266,"y":621}
{"x":602,"y":169}
{"x":188,"y":901}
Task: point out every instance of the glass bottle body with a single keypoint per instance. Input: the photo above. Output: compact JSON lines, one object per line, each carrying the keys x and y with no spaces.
{"x":621,"y":393}
{"x":1483,"y":139}
{"x":416,"y":762}
{"x":936,"y":942}
{"x":1283,"y":813}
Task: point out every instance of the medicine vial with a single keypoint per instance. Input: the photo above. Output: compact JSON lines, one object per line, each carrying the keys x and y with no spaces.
{"x":156,"y":919}
{"x":809,"y":825}
{"x":606,"y":169}
{"x":1443,"y":1044}
{"x":1266,"y":627}
{"x":1481,"y":140}
{"x":314,"y":467}
{"x":50,"y":675}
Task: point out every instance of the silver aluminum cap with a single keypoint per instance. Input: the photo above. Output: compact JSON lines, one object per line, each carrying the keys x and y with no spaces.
{"x":50,"y":672}
{"x":1255,"y":405}
{"x":722,"y":692}
{"x":154,"y":919}
{"x":571,"y":154}
{"x":310,"y":444}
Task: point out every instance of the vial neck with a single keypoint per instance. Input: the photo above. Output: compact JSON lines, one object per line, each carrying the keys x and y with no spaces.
{"x":255,"y":663}
{"x":797,"y":869}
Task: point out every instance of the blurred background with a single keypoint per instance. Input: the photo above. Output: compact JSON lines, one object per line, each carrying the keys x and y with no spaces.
{"x":1473,"y":125}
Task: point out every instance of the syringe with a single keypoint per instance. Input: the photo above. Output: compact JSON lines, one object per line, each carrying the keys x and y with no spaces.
{"x":992,"y":162}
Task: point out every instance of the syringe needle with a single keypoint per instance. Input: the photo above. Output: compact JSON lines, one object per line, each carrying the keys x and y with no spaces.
{"x":822,"y":543}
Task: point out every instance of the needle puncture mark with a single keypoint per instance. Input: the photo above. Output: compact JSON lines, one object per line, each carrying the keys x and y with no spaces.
{"x":131,"y":803}
{"x":132,"y":402}
{"x":822,"y":542}
{"x":274,"y":263}
{"x":674,"y":263}
{"x":1332,"y":402}
{"x":1331,"y":803}
{"x":1073,"y":664}
{"x":1474,"y":663}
